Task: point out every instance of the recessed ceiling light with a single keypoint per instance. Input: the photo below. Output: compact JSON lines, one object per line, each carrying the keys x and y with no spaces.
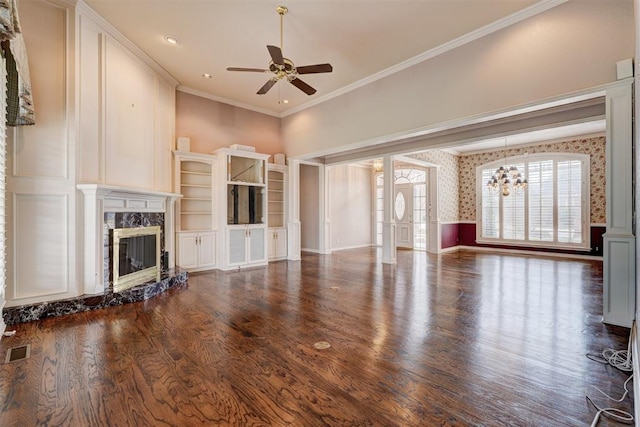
{"x":207,"y":76}
{"x":171,"y":39}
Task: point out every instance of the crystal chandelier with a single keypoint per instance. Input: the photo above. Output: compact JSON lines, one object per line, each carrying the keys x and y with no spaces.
{"x":507,"y":179}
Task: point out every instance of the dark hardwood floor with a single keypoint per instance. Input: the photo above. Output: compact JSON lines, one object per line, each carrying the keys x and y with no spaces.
{"x":461,"y":339}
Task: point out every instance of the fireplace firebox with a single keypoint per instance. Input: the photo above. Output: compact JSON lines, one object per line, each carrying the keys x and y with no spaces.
{"x":136,"y":256}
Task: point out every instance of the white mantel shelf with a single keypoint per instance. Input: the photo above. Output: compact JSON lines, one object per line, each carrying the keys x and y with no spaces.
{"x":119,"y":199}
{"x":98,"y":199}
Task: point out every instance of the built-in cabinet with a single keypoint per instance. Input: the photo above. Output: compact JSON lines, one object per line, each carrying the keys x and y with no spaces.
{"x":277,"y":243}
{"x":242,"y":210}
{"x":246,"y":246}
{"x":196,"y":251}
{"x":195,"y":211}
{"x":232,"y":210}
{"x":276,"y":209}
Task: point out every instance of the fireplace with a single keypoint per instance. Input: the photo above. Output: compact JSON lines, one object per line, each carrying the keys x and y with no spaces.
{"x":108,"y":207}
{"x":136,"y":256}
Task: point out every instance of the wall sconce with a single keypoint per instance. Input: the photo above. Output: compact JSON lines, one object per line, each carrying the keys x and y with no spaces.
{"x":377,"y":165}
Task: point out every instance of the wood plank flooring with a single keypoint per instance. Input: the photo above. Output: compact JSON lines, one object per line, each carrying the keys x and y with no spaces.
{"x":460,"y":339}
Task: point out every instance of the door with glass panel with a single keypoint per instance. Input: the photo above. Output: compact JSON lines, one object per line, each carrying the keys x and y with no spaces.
{"x":403,"y":211}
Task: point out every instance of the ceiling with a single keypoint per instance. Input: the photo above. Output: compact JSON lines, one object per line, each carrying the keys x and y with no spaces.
{"x":360,"y":38}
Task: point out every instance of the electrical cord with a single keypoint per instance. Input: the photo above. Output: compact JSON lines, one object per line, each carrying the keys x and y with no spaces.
{"x":620,"y":359}
{"x":613,"y":413}
{"x":626,"y":391}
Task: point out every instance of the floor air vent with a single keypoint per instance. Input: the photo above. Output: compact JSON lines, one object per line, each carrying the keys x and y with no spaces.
{"x":18,"y":353}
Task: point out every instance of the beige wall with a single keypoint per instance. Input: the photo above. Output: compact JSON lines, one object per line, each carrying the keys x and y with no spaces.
{"x":572,"y":47}
{"x":309,"y":208}
{"x":212,"y":125}
{"x":350,"y":206}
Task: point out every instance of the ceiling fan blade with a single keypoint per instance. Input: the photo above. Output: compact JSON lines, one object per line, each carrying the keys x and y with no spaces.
{"x":252,"y":70}
{"x":318,"y":68}
{"x":268,"y":85}
{"x":276,"y":55}
{"x":303,"y":86}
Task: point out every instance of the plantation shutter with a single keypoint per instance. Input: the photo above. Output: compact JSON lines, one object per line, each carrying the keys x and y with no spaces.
{"x":540,"y":192}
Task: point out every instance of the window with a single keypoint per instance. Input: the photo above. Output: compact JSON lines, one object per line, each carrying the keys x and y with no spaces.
{"x":551,"y":212}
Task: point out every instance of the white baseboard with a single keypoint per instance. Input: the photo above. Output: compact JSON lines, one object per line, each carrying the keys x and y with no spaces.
{"x":342,"y":248}
{"x":313,"y":251}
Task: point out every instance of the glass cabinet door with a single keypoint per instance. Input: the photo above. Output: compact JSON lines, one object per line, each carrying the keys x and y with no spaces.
{"x":245,"y":169}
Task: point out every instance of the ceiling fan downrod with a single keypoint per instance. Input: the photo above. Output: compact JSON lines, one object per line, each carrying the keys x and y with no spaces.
{"x":282,"y":10}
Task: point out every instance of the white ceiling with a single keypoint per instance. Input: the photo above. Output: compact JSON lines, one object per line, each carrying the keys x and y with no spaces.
{"x":360,"y":38}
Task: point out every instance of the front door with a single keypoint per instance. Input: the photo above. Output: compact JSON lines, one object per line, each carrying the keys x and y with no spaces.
{"x":403,"y":211}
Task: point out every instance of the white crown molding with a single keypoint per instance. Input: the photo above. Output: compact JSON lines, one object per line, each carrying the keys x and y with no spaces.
{"x":533,"y":10}
{"x":86,"y":10}
{"x":191,"y":91}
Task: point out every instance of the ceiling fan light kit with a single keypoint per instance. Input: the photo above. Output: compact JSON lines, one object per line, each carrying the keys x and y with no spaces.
{"x":281,"y":68}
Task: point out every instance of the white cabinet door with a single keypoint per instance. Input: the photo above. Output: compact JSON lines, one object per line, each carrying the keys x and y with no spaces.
{"x":281,"y":243}
{"x":196,"y":250}
{"x":237,"y":245}
{"x":277,"y":243}
{"x":271,"y":244}
{"x":256,"y":238}
{"x":206,"y":249}
{"x":187,"y":250}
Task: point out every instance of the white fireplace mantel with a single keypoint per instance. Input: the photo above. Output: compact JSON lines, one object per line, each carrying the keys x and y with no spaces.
{"x":99,"y":199}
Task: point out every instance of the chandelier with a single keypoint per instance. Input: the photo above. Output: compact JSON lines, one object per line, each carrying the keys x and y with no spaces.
{"x":506,"y":179}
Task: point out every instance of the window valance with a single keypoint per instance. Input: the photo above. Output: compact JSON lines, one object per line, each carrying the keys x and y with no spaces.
{"x":20,"y":110}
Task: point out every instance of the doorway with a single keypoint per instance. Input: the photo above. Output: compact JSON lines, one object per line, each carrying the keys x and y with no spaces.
{"x":411,"y":215}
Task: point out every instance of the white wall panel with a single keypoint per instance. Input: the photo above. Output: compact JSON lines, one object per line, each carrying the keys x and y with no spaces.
{"x":41,"y":197}
{"x":91,"y":137}
{"x":40,"y":257}
{"x":165,"y":114}
{"x":129,"y":119}
{"x":42,"y":150}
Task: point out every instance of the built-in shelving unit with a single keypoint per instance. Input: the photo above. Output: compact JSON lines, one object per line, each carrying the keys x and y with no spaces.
{"x":196,"y":234}
{"x":276,"y":210}
{"x":275,"y":191}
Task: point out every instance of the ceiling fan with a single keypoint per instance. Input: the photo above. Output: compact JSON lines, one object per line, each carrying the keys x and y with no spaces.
{"x":284,"y":68}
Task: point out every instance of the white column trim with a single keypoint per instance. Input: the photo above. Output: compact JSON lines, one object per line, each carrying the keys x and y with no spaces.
{"x":619,"y":260}
{"x":389,"y":255}
{"x":293,"y":223}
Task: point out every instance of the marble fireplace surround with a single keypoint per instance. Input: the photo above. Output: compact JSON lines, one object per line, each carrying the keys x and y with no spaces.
{"x":102,"y":205}
{"x":105,"y":208}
